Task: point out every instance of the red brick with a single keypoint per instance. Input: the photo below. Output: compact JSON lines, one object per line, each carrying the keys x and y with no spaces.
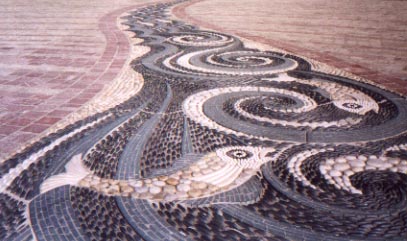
{"x":8,"y":129}
{"x":48,"y":120}
{"x":35,"y":128}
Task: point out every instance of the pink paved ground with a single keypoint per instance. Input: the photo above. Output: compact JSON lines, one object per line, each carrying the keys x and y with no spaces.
{"x":365,"y":37}
{"x":54,"y":57}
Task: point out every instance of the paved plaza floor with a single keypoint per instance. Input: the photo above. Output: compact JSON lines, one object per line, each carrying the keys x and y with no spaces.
{"x":203,"y":120}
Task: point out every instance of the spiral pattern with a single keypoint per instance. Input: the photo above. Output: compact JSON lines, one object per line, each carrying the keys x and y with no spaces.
{"x":240,"y":63}
{"x":201,"y":39}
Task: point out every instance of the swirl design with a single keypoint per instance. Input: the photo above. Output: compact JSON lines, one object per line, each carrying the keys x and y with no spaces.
{"x":240,"y":63}
{"x":201,"y":39}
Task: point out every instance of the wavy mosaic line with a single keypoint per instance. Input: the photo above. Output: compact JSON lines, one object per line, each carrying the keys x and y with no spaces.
{"x":221,"y":142}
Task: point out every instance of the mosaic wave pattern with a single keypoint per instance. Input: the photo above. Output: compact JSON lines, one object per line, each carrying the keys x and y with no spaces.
{"x":222,"y":142}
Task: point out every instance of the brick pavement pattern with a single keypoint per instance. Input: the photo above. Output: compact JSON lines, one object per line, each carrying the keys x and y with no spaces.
{"x":367,"y":38}
{"x":54,"y":57}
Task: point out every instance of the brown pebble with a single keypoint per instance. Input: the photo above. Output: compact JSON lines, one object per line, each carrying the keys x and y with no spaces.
{"x":195,"y":193}
{"x":172,"y":181}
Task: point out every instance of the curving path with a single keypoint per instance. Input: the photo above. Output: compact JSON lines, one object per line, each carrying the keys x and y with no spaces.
{"x":367,"y":38}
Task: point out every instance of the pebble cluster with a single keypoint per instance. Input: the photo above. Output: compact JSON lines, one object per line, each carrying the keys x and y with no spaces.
{"x":164,"y":145}
{"x":204,"y":178}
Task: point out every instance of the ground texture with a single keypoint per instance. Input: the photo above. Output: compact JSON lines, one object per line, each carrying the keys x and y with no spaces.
{"x":216,"y":138}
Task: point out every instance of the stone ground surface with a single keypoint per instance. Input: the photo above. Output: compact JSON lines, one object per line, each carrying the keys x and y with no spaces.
{"x":242,"y":132}
{"x":54,"y":57}
{"x":367,"y":38}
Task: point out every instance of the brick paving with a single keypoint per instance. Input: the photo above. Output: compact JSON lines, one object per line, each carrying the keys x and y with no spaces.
{"x":54,"y":57}
{"x":367,"y":38}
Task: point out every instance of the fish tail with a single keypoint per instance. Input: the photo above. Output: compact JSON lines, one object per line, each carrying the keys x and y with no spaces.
{"x":75,"y":172}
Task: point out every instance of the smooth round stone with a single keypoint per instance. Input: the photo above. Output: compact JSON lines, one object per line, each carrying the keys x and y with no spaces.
{"x":162,"y":178}
{"x":369,"y":167}
{"x":185,"y":181}
{"x":322,"y":170}
{"x":175,"y":176}
{"x":126,"y":189}
{"x":194,"y":193}
{"x":169,"y":189}
{"x":351,"y":158}
{"x":186,"y":176}
{"x":330,"y":161}
{"x":147,"y":181}
{"x":183,"y":187}
{"x":199,"y":185}
{"x":203,"y":166}
{"x":195,"y":168}
{"x":358,"y":169}
{"x":394,"y":169}
{"x":394,"y":161}
{"x":138,"y":183}
{"x":375,"y":162}
{"x":386,"y":165}
{"x":113,"y":189}
{"x":155,"y":190}
{"x":349,"y":172}
{"x":94,"y":182}
{"x":341,"y":166}
{"x":338,"y":181}
{"x":342,"y":122}
{"x":357,"y":163}
{"x":335,"y":173}
{"x":341,"y":160}
{"x":347,"y":182}
{"x":213,"y":188}
{"x":328,"y":167}
{"x":159,"y":183}
{"x":362,"y":158}
{"x":172,"y":181}
{"x":141,"y":189}
{"x":170,"y":197}
{"x":201,"y":163}
{"x":403,"y":168}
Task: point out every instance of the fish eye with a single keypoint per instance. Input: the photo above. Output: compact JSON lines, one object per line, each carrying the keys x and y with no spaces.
{"x":352,"y":105}
{"x":239,"y":154}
